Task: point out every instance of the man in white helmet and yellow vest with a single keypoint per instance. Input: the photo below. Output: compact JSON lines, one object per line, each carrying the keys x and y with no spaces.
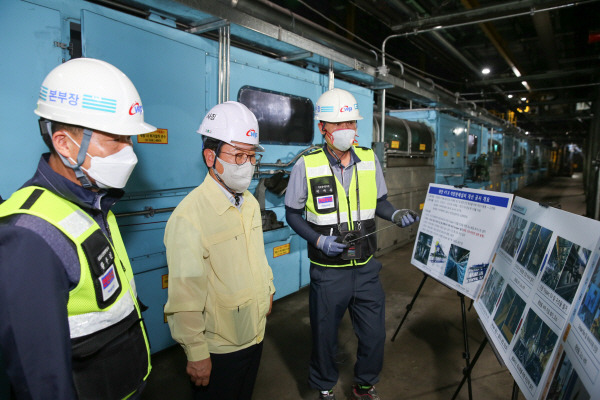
{"x":220,"y":284}
{"x":332,"y":198}
{"x":70,"y":322}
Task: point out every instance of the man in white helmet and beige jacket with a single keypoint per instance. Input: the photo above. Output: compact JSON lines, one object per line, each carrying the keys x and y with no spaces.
{"x":70,"y":321}
{"x":220,"y":284}
{"x":332,"y":198}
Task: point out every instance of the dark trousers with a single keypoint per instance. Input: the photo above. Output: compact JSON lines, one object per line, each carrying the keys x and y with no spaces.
{"x":332,"y":291}
{"x":232,"y":376}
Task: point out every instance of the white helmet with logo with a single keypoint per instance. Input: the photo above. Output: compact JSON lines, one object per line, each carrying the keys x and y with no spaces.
{"x":93,"y":94}
{"x":231,"y":122}
{"x":337,"y":105}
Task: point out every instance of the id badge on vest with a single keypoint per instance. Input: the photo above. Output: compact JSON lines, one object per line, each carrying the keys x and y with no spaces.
{"x":324,"y":193}
{"x":101,"y":260}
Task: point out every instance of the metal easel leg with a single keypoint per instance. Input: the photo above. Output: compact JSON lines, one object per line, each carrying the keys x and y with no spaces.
{"x":467,"y":371}
{"x":409,"y":306}
{"x":515,"y":391}
{"x":466,"y":354}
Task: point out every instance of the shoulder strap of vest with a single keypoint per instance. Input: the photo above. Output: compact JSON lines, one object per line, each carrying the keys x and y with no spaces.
{"x":42,"y":203}
{"x":22,"y":199}
{"x":361,"y":152}
{"x":313,"y":152}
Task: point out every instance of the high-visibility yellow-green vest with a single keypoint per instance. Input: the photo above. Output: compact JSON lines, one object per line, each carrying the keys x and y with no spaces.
{"x":111,"y":354}
{"x":327,"y":201}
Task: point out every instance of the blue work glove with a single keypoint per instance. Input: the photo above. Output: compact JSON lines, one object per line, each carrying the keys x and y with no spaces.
{"x":329,"y":246}
{"x":405,"y":217}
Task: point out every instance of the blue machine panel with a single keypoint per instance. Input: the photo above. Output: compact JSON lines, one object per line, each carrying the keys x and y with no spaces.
{"x":282,"y":256}
{"x":170,"y":77}
{"x":152,"y":290}
{"x":27,"y":33}
{"x":451,"y":143}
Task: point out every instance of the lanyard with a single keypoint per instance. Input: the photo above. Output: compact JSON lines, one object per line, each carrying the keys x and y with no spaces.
{"x":337,"y":206}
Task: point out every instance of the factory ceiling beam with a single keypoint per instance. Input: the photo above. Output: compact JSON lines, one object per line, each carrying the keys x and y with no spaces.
{"x":494,"y":37}
{"x":483,"y":14}
{"x":551,"y":75}
{"x":545,"y":32}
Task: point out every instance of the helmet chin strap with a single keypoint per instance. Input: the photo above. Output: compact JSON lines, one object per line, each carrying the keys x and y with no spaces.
{"x":332,"y":149}
{"x":235,"y":195}
{"x":83,"y":148}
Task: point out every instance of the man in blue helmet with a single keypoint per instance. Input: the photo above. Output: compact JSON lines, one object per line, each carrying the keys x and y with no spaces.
{"x":339,"y":189}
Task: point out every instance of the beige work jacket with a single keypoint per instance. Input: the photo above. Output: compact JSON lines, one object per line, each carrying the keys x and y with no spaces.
{"x":220,"y":283}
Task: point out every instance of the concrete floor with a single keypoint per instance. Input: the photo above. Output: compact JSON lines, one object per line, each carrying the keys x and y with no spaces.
{"x":425,"y":361}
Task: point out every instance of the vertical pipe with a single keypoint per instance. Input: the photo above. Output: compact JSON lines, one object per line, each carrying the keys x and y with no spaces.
{"x":466,"y":157}
{"x":382,"y":130}
{"x":597,"y":206}
{"x":490,"y":143}
{"x":224,"y":47}
{"x":331,"y":75}
{"x":227,"y":63}
{"x":220,"y":81}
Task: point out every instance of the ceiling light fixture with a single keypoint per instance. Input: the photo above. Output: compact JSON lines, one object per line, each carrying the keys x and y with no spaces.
{"x":485,"y":71}
{"x":523,"y":98}
{"x":524,"y":83}
{"x":510,"y":96}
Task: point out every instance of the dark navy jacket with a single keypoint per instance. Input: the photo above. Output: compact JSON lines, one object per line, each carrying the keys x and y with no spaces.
{"x":38,"y":267}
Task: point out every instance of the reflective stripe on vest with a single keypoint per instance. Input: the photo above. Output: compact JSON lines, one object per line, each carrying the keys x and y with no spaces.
{"x":85,"y":315}
{"x":331,"y":218}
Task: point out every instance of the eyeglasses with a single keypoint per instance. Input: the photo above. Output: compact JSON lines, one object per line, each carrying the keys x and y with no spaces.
{"x":241,"y":158}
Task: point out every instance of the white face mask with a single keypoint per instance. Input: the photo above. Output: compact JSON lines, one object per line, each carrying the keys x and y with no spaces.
{"x":342,"y":139}
{"x":236,"y":177}
{"x":111,"y":171}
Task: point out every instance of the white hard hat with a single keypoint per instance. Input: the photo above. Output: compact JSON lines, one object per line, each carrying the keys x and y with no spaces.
{"x":231,"y":122}
{"x":93,"y":94}
{"x":337,"y":105}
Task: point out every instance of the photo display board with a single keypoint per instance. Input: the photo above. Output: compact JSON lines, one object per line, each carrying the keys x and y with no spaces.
{"x":576,"y":371}
{"x":457,"y":234}
{"x":539,"y":301}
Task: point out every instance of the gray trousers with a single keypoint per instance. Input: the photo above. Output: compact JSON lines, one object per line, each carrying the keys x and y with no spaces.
{"x":332,"y":291}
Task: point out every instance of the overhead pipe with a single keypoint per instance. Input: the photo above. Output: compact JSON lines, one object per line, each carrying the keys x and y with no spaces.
{"x":483,"y":14}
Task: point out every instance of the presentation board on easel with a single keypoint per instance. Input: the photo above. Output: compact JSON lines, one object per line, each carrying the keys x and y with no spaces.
{"x":457,"y":234}
{"x":539,"y":304}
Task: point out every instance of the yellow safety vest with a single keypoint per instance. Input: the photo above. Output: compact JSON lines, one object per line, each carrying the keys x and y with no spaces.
{"x":105,"y":295}
{"x":330,"y":212}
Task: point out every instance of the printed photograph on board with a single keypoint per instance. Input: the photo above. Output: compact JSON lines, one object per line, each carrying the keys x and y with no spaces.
{"x":589,"y":311}
{"x":534,"y":346}
{"x":456,"y":265}
{"x":513,"y":234}
{"x":566,"y":384}
{"x":509,"y":312}
{"x":565,"y":268}
{"x":532,"y":250}
{"x":423,"y":247}
{"x":438,"y":255}
{"x":492,"y":289}
{"x":476,"y":272}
